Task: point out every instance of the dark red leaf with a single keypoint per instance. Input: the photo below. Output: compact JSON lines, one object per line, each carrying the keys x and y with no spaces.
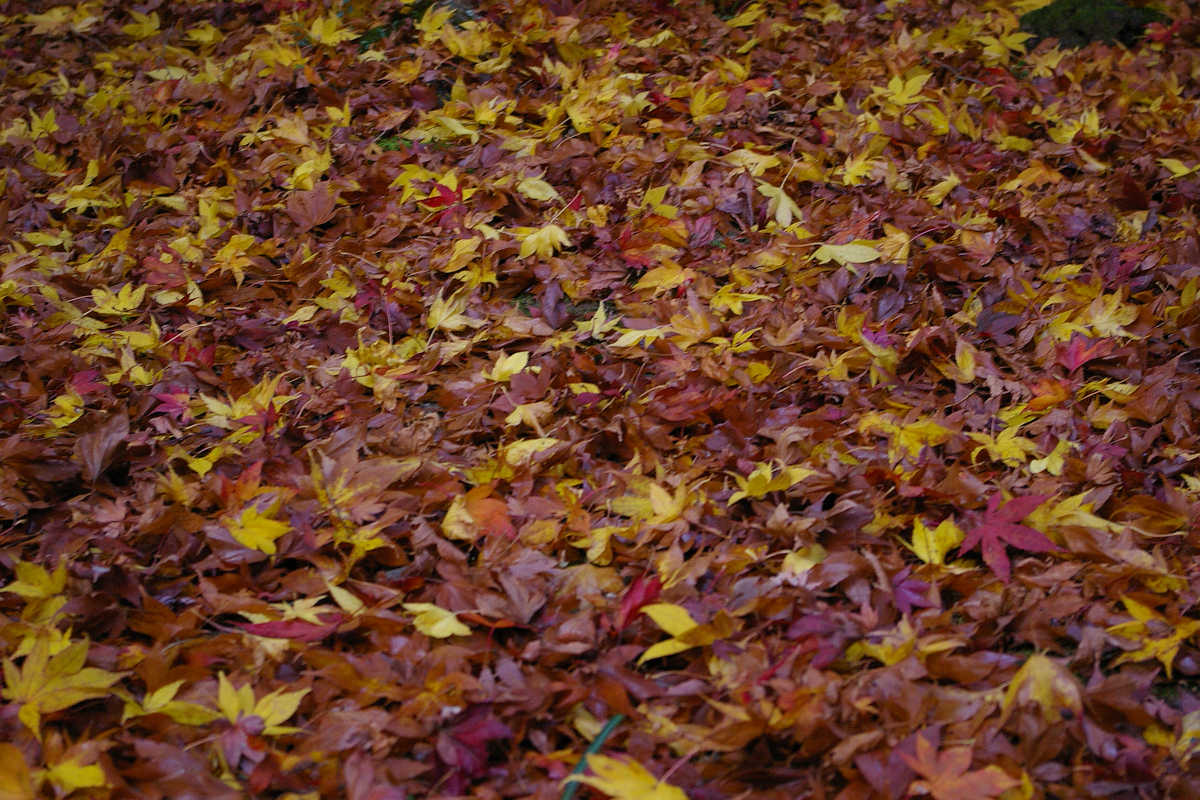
{"x":641,"y":592}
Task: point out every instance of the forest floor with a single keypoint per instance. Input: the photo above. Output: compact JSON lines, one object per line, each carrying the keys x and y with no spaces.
{"x":787,"y":399}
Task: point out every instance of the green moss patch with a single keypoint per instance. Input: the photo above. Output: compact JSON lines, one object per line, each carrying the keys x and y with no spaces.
{"x":1076,"y":23}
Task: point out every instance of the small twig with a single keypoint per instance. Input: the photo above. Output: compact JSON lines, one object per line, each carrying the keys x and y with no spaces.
{"x":957,"y":73}
{"x":667,"y":775}
{"x":573,"y":785}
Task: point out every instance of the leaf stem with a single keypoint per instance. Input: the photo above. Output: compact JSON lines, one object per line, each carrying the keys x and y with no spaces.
{"x":610,"y":726}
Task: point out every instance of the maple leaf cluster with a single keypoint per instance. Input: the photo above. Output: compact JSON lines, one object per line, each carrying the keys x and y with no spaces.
{"x":643,"y":400}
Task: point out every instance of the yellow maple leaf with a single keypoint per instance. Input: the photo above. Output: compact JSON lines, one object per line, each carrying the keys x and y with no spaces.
{"x":931,"y":545}
{"x":34,"y":582}
{"x":42,"y":126}
{"x":315,"y":165}
{"x":755,"y":163}
{"x":46,"y":683}
{"x":1188,"y":744}
{"x":273,"y":709}
{"x":937,"y":193}
{"x":65,"y":409}
{"x":1044,"y":681}
{"x":257,"y":531}
{"x":905,"y":92}
{"x":545,"y":241}
{"x":69,"y":775}
{"x":435,"y":621}
{"x":847,"y":254}
{"x":798,"y":563}
{"x":657,"y":506}
{"x":908,"y":439}
{"x":522,"y":452}
{"x":537,"y":189}
{"x":143,"y":26}
{"x":123,"y":301}
{"x":205,"y":33}
{"x":859,"y":168}
{"x":1107,"y":315}
{"x":162,"y":701}
{"x":328,"y":30}
{"x":1070,"y":511}
{"x":751,"y":14}
{"x":506,"y":366}
{"x":685,"y":632}
{"x":664,"y":277}
{"x":1055,"y":460}
{"x":761,"y":481}
{"x":1008,"y":446}
{"x":780,"y":205}
{"x":1144,"y":626}
{"x":625,"y":780}
{"x":1177,"y":168}
{"x":704,"y":103}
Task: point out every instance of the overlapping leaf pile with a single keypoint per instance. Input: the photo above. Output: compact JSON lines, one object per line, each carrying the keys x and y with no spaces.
{"x":391,"y":394}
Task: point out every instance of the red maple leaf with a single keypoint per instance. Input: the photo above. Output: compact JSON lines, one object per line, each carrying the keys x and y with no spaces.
{"x":1082,"y":350}
{"x":173,"y":402}
{"x":998,"y":526}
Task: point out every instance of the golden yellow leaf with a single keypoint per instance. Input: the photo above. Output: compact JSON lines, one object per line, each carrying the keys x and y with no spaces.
{"x":256,"y":530}
{"x":1158,"y":637}
{"x":964,"y":359}
{"x":751,"y":14}
{"x":1054,"y":461}
{"x":664,"y":277}
{"x":328,"y":30}
{"x":123,"y":301}
{"x":673,"y":619}
{"x":544,"y":241}
{"x":932,"y":545}
{"x":1177,"y":168}
{"x":506,"y":366}
{"x":905,"y":92}
{"x":143,"y":26}
{"x":34,"y":582}
{"x":273,"y":709}
{"x":704,"y":103}
{"x":69,"y":775}
{"x":1044,"y":681}
{"x":1188,"y":743}
{"x":522,"y":452}
{"x":798,"y":563}
{"x":1008,"y":446}
{"x":626,"y":780}
{"x":937,"y":193}
{"x":761,"y":481}
{"x":755,"y":163}
{"x":46,"y":683}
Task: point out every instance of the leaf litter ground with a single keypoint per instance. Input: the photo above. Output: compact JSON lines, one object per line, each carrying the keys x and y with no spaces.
{"x":392,"y":395}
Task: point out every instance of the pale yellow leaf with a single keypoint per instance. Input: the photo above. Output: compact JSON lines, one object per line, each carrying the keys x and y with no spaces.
{"x":435,"y":621}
